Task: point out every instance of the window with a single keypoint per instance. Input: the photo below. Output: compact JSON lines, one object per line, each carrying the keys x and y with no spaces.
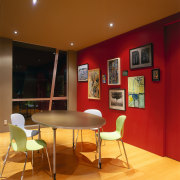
{"x":39,"y":79}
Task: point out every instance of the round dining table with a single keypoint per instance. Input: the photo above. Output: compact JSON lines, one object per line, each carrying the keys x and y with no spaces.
{"x":69,"y":120}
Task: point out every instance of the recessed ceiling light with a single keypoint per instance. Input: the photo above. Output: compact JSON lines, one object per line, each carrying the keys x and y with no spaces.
{"x":34,"y":2}
{"x":72,"y":44}
{"x":15,"y":32}
{"x":111,"y":24}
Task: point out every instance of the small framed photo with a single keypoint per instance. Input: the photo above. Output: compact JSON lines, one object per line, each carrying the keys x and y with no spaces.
{"x":117,"y":99}
{"x":94,"y":84}
{"x":83,"y":73}
{"x":104,"y":78}
{"x":113,"y":69}
{"x":156,"y":75}
{"x":141,"y":57}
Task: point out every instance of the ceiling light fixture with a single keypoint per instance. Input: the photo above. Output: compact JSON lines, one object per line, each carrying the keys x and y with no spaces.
{"x":72,"y":44}
{"x":111,"y":24}
{"x":15,"y":32}
{"x":34,"y":2}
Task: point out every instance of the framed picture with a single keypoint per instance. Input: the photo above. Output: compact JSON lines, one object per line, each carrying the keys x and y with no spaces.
{"x":113,"y":69}
{"x":136,"y":95}
{"x":83,"y":73}
{"x":117,"y":99}
{"x":94,"y":84}
{"x":104,"y":78}
{"x":141,"y":57}
{"x":156,"y":75}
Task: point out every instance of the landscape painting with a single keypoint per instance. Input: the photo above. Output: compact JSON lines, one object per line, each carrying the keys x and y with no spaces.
{"x":117,"y":99}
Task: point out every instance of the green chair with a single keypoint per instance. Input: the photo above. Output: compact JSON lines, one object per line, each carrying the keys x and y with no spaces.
{"x":116,"y":135}
{"x":19,"y":143}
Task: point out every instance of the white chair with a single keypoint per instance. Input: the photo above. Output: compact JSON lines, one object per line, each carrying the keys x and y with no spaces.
{"x":18,"y":120}
{"x":94,"y":112}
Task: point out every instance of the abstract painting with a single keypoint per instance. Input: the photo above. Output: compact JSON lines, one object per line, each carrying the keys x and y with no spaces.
{"x":94,"y":84}
{"x":136,"y":97}
{"x":114,"y":71}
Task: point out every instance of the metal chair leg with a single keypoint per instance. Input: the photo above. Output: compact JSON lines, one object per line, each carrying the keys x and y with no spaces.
{"x":125,"y":153}
{"x":4,"y":163}
{"x":48,"y":161}
{"x":76,"y":139}
{"x":32,"y":160}
{"x":81,"y":136}
{"x":39,"y":135}
{"x":119,"y":148}
{"x":96,"y":141}
{"x":32,"y":157}
{"x":24,"y":167}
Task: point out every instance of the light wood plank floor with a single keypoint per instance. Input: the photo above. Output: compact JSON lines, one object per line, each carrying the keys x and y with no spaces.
{"x":82,"y":164}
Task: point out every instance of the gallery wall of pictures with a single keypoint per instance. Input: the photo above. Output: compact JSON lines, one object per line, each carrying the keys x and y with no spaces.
{"x":141,"y":54}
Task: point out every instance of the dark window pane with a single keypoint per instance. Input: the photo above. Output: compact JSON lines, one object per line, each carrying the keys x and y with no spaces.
{"x":61,"y":75}
{"x":32,"y":71}
{"x":27,"y":108}
{"x":59,"y":105}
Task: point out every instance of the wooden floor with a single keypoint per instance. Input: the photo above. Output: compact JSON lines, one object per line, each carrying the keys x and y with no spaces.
{"x":82,"y":164}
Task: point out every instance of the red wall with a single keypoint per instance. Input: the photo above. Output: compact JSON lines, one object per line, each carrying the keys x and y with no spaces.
{"x":144,"y":128}
{"x":172,"y":47}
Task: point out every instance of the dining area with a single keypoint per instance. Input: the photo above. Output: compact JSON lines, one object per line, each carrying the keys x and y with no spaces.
{"x":63,"y":120}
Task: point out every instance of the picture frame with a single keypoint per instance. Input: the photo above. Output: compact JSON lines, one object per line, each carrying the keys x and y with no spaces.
{"x":155,"y":74}
{"x":141,"y":57}
{"x":136,"y":92}
{"x":94,"y":84}
{"x":113,"y":69}
{"x":83,"y":73}
{"x":117,"y":99}
{"x":104,"y":79}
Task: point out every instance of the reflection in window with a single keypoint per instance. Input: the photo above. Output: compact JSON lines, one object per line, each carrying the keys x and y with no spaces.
{"x":61,"y":75}
{"x":32,"y":71}
{"x":59,"y":105}
{"x":27,"y":108}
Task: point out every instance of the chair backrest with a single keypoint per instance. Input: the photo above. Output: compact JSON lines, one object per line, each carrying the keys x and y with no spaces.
{"x":19,"y":136}
{"x":120,"y":124}
{"x":18,"y":120}
{"x":94,"y":111}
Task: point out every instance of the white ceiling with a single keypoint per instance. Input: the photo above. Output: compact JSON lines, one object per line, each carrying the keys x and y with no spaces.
{"x":56,"y":23}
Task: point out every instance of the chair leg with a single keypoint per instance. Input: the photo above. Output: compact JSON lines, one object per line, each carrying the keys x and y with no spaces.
{"x":81,"y":136}
{"x":39,"y":135}
{"x":24,"y":167}
{"x":125,"y":153}
{"x":119,"y":148}
{"x":4,"y":163}
{"x":76,"y":139}
{"x":32,"y":157}
{"x":32,"y":160}
{"x":96,"y":141}
{"x":81,"y":140}
{"x":48,"y":161}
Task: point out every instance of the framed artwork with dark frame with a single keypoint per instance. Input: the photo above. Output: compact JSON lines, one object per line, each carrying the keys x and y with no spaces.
{"x":155,"y":74}
{"x":117,"y":99}
{"x":113,"y":68}
{"x":83,"y":73}
{"x":141,"y":57}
